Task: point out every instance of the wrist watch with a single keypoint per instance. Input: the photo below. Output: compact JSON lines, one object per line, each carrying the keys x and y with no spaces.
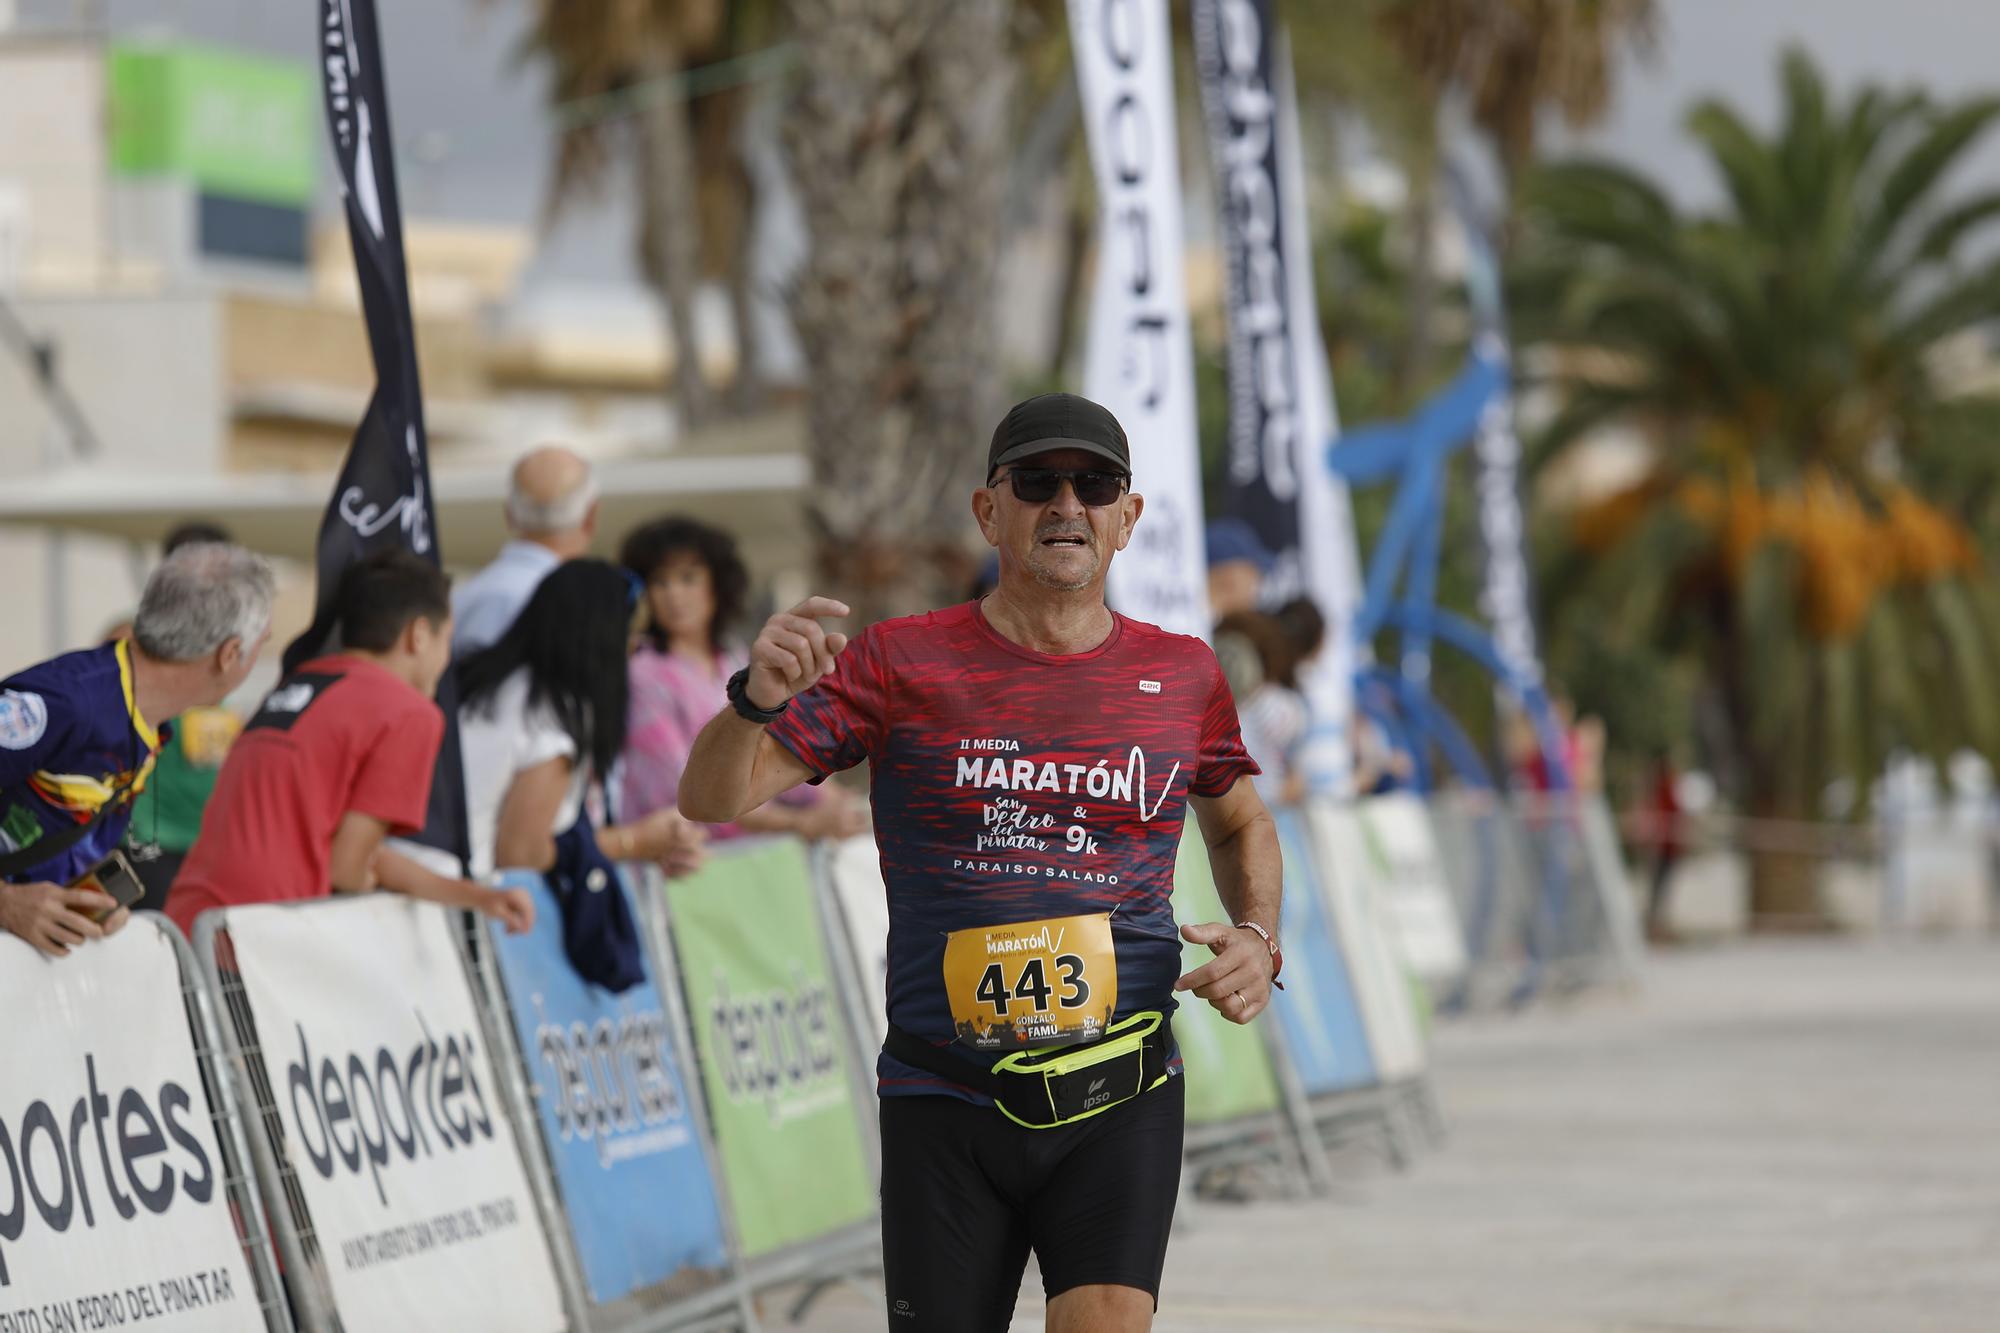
{"x":739,"y":699}
{"x":1277,"y":954}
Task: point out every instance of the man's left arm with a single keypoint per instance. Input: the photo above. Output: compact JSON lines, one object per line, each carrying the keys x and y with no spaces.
{"x":1249,"y":875}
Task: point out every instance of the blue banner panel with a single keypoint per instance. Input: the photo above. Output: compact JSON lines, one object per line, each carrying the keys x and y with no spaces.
{"x":613,"y":1110}
{"x":1317,"y":1010}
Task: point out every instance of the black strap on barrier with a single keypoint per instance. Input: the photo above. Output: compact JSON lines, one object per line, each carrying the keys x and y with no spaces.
{"x":1038,"y":1100}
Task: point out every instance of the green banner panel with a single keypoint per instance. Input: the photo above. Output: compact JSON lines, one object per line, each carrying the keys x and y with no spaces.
{"x":775,"y":1060}
{"x":1228,"y":1070}
{"x":237,"y":125}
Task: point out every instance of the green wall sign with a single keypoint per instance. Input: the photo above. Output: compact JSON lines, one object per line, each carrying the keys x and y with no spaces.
{"x":237,"y":125}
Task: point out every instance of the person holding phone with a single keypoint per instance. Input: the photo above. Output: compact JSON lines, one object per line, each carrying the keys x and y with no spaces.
{"x":77,"y":741}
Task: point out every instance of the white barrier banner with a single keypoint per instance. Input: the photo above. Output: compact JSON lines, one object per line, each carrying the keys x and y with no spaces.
{"x":1382,"y":986}
{"x":1138,"y":359}
{"x":856,"y":867}
{"x":113,"y":1211}
{"x":1416,"y":893}
{"x":393,"y":1119}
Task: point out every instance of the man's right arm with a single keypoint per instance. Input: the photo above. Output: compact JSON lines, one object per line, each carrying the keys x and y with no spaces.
{"x":735,"y":765}
{"x":733,"y":768}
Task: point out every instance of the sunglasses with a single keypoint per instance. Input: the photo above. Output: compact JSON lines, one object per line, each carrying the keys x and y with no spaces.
{"x":1039,"y":485}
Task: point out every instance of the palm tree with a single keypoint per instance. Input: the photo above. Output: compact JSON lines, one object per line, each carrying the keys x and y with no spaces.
{"x":1513,"y":60}
{"x":620,"y":60}
{"x":896,"y":138}
{"x":1779,"y":357}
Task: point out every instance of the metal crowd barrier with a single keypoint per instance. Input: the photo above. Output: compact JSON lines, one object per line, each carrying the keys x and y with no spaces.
{"x":848,"y":1253}
{"x":226,"y":1116}
{"x":1544,"y":892}
{"x":1280,"y":1140}
{"x":648,"y":1309}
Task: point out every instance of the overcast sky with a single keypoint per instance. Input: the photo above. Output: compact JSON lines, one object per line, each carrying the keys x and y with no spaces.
{"x":471,"y":126}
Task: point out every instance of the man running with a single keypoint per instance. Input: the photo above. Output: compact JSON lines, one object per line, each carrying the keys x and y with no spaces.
{"x":1033,"y":755}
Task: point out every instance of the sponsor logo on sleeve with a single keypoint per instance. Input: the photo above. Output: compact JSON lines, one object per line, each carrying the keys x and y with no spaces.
{"x":24,"y":717}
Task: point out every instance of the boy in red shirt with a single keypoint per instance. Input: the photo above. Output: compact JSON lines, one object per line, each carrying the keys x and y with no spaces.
{"x":338,"y":758}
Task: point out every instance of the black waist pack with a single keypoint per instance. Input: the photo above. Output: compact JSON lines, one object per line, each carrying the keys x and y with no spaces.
{"x":1043,"y":1089}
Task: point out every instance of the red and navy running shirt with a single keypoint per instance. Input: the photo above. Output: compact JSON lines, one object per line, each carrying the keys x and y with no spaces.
{"x":1010,"y":785}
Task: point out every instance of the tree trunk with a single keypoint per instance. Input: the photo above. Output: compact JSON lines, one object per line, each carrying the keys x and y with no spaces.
{"x":1069,"y":302}
{"x":1784,"y":890}
{"x":951,"y":236}
{"x":1414,"y":357}
{"x":897,"y":160}
{"x":725,"y":123}
{"x":670,"y":228}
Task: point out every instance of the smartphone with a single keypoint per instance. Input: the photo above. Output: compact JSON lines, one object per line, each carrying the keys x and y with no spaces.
{"x":115,"y":876}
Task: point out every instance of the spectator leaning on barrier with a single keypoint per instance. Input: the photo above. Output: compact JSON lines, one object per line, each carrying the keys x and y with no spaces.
{"x":695,"y":587}
{"x":542,"y":715}
{"x":76,"y":742}
{"x":1033,"y":760}
{"x":552,"y":514}
{"x":339,"y":755}
{"x":166,"y":813}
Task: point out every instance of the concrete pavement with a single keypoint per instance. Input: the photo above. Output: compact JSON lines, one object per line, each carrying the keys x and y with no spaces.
{"x":1773,"y":1137}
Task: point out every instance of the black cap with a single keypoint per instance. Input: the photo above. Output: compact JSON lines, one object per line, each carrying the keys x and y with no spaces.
{"x":1053,"y":421}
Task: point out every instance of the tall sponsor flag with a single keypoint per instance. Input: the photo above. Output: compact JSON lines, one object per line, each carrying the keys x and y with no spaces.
{"x":1505,"y":596}
{"x":1233,"y":41}
{"x":1138,"y":360}
{"x":383,"y":495}
{"x":1281,"y":407}
{"x":1330,"y":557}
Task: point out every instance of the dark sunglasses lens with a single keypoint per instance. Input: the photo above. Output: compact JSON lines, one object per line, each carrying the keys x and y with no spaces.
{"x":1035,"y":485}
{"x":1098,"y":488}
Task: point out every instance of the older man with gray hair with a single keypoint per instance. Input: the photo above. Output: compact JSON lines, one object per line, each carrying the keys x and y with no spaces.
{"x":78,"y":739}
{"x":552,"y":514}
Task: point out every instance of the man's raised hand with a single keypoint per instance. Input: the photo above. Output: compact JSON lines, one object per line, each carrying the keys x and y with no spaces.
{"x":793,"y":651}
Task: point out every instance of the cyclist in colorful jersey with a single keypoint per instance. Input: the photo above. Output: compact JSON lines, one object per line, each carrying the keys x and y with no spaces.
{"x":1033,"y":756}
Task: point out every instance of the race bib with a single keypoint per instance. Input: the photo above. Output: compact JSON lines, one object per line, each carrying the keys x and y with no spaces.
{"x":1034,"y":983}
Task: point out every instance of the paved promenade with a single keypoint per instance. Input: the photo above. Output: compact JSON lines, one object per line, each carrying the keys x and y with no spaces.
{"x":1774,"y":1137}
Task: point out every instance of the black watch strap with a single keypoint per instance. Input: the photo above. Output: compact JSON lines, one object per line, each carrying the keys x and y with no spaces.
{"x":740,"y":701}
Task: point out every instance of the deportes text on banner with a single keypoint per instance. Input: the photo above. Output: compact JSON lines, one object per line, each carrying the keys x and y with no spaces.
{"x":112,"y":1206}
{"x":614,"y":1113}
{"x":1320,"y":1016}
{"x":777,"y":1066}
{"x":1138,"y":360}
{"x":392,"y":1119}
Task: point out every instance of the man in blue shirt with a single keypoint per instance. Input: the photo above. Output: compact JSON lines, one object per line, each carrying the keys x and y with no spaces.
{"x":76,"y":743}
{"x":552,"y":514}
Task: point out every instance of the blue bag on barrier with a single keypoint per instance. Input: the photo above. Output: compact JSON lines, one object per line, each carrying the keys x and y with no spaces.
{"x":612,"y":1105}
{"x":599,"y":934}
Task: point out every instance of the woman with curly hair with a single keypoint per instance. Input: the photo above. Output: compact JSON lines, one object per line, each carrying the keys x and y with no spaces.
{"x":696,"y":587}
